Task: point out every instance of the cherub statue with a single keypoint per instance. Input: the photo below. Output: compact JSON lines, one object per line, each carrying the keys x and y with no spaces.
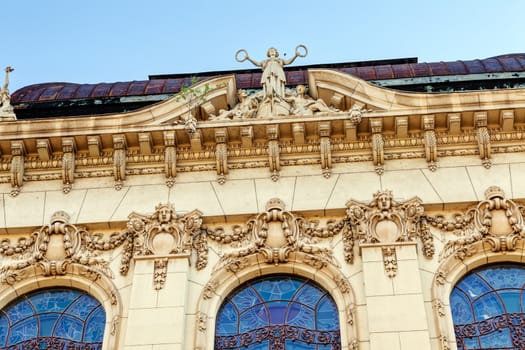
{"x":303,"y":104}
{"x":5,"y":97}
{"x":245,"y":109}
{"x":273,"y":79}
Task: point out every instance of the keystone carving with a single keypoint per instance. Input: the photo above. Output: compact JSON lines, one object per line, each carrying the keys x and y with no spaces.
{"x":274,"y":234}
{"x":53,"y":249}
{"x":495,"y":221}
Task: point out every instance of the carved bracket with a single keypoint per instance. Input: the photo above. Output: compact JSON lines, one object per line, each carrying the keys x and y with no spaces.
{"x":17,"y":166}
{"x":170,"y":158}
{"x":378,"y":145}
{"x":221,"y":155}
{"x":483,"y":137}
{"x":119,"y":160}
{"x":325,"y":147}
{"x":68,"y":163}
{"x":272,"y":132}
{"x":430,"y":140}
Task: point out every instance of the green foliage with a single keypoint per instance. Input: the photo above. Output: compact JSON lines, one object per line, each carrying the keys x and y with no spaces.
{"x":193,"y":95}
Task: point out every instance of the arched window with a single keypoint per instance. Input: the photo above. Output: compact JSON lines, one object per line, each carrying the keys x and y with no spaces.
{"x":56,"y":318}
{"x":277,"y":313}
{"x":488,"y":308}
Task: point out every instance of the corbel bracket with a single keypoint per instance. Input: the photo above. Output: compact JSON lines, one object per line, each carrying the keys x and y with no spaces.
{"x":325,"y":148}
{"x":483,"y":137}
{"x":119,"y":160}
{"x":221,"y":154}
{"x":170,"y":158}
{"x":378,"y":145}
{"x":430,"y":140}
{"x":272,"y":133}
{"x":68,"y":163}
{"x":17,"y":166}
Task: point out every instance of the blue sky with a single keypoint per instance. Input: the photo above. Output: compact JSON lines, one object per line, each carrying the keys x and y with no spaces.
{"x":116,"y":40}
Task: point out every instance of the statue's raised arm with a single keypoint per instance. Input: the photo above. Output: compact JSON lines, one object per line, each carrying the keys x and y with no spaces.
{"x":273,"y":79}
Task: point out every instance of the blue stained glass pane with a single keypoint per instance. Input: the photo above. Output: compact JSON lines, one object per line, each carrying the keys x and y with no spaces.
{"x":299,"y":315}
{"x":253,"y":318}
{"x":69,"y":327}
{"x":511,"y":299}
{"x":473,"y":286}
{"x":83,"y":306}
{"x":56,"y":300}
{"x":471,"y":343}
{"x":461,"y":308}
{"x":309,"y":295}
{"x":326,"y":315}
{"x":487,"y":306}
{"x":277,"y":289}
{"x":277,"y":307}
{"x":24,"y":330}
{"x":523,"y":300}
{"x":294,"y":345}
{"x":4,"y":328}
{"x":47,"y":323}
{"x":246,"y":298}
{"x":227,"y":320}
{"x":19,"y":311}
{"x":501,"y":277}
{"x":94,"y":329}
{"x":496,"y":340}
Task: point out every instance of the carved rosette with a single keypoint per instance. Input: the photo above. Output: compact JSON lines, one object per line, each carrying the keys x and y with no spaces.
{"x":495,"y":221}
{"x":385,"y":222}
{"x":274,"y":234}
{"x":54,"y":248}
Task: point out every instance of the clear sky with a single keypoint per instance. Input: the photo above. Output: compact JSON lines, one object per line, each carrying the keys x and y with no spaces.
{"x":122,"y":40}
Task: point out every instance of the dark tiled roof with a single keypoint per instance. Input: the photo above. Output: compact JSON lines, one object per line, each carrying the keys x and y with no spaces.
{"x":51,"y":92}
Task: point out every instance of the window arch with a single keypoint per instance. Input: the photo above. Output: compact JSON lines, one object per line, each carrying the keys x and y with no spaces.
{"x":53,"y":318}
{"x":488,"y":308}
{"x":278,"y":312}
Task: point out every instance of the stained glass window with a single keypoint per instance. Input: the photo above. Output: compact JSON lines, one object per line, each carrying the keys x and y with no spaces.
{"x":278,"y":313}
{"x":53,"y":319}
{"x":488,"y":308}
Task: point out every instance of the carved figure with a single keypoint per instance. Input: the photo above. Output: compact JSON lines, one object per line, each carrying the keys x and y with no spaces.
{"x":273,"y":78}
{"x":303,"y":104}
{"x":245,"y":109}
{"x":5,"y":97}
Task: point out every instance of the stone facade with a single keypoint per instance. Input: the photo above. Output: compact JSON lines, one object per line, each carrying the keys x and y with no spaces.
{"x":384,"y":198}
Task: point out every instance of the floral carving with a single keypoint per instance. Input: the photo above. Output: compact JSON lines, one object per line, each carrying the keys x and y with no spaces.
{"x":53,"y":249}
{"x":274,"y":234}
{"x":160,"y":273}
{"x":496,"y":221}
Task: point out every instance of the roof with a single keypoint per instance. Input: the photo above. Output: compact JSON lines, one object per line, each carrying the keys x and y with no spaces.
{"x":405,"y":74}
